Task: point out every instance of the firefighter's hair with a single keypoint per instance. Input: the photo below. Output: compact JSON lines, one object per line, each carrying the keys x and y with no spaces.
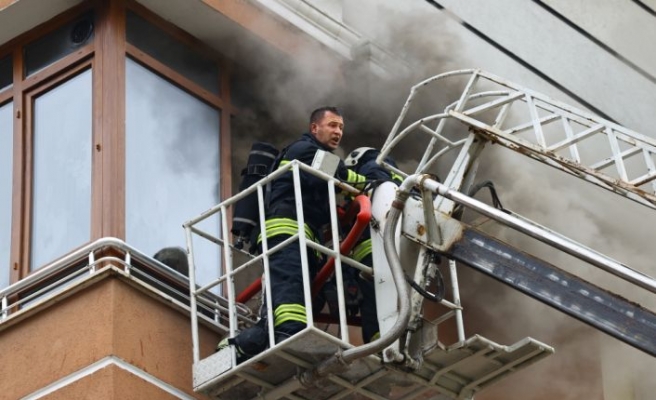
{"x":321,"y":111}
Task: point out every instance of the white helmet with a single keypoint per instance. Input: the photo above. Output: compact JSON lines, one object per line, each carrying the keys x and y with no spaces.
{"x":354,"y":156}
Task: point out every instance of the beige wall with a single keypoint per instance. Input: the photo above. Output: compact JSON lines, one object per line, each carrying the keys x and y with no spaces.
{"x":109,"y":318}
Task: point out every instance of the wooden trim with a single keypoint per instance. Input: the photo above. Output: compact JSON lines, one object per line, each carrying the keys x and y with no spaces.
{"x":225,"y":141}
{"x":222,"y":101}
{"x":109,"y":124}
{"x":97,"y":151}
{"x":28,"y":125}
{"x":58,"y":67}
{"x":6,"y":95}
{"x":46,"y":27}
{"x":178,"y":33}
{"x":18,"y":207}
{"x":274,"y":31}
{"x":65,"y":74}
{"x":173,"y":76}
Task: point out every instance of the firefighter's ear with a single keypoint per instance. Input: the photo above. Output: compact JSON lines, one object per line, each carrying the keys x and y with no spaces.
{"x":313,"y":128}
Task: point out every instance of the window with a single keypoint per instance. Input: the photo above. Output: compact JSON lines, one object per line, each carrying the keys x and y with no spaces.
{"x":172,"y":166}
{"x":101,"y":151}
{"x":61,"y":205}
{"x":166,"y":49}
{"x":6,"y":72}
{"x":6,"y":159}
{"x":58,"y":44}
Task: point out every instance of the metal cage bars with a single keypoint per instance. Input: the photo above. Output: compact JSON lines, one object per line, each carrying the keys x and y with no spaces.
{"x":231,"y":271}
{"x":261,"y":261}
{"x":560,"y":147}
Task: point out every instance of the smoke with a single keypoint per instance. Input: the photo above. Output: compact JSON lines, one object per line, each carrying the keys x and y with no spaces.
{"x":596,"y":218}
{"x":280,"y":95}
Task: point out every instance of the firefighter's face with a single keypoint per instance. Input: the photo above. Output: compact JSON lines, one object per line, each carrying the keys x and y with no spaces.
{"x":328,"y":130}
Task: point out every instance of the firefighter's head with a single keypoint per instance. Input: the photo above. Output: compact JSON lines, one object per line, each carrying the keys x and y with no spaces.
{"x":327,"y":126}
{"x":360,"y":156}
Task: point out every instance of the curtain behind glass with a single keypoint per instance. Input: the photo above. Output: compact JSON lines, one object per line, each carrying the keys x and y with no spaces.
{"x":6,"y":159}
{"x":172,"y":166}
{"x":61,"y":206}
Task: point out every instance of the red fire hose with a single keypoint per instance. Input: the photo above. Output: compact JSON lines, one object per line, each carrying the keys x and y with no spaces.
{"x":360,"y":205}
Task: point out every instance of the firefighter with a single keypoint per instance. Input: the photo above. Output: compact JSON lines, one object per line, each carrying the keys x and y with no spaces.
{"x":363,"y":161}
{"x":289,"y":314}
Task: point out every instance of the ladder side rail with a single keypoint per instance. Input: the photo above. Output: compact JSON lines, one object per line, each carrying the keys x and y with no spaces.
{"x":394,"y":140}
{"x":589,"y":120}
{"x":560,"y":242}
{"x":534,"y":151}
{"x":564,"y":291}
{"x":572,"y":295}
{"x":573,"y":111}
{"x":536,"y":100}
{"x":614,"y":133}
{"x":523,"y":127}
{"x":436,"y":135}
{"x":596,"y":179}
{"x":502,"y":98}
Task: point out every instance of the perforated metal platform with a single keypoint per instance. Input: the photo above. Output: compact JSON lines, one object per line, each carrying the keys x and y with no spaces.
{"x":455,"y":372}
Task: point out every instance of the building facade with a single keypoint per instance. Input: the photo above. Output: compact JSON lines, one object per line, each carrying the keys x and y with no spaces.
{"x":122,"y":119}
{"x":117,"y":121}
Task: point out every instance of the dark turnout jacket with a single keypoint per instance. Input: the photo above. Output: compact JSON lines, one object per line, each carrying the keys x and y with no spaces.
{"x":314,"y":190}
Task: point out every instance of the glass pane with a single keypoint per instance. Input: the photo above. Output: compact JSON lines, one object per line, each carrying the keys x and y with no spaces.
{"x":6,"y":158}
{"x":172,"y":166}
{"x":158,"y":44}
{"x":55,"y":45}
{"x":6,"y":72}
{"x":61,"y":213}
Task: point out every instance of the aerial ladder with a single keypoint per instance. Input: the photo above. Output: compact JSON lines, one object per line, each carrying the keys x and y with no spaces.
{"x":413,"y":227}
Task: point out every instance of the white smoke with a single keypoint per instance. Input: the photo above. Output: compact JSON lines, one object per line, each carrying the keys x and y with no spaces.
{"x":419,"y":35}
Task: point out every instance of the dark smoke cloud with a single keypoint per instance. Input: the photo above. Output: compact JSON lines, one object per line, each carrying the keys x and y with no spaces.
{"x":283,"y":93}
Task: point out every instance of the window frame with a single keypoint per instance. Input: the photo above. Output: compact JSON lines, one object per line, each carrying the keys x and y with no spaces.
{"x":30,"y":97}
{"x":105,"y":55}
{"x":222,"y":102}
{"x":22,"y":156}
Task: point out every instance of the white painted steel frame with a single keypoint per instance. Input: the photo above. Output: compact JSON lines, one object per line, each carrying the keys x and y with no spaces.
{"x":72,"y":273}
{"x":295,"y":167}
{"x":542,"y":147}
{"x":537,"y":231}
